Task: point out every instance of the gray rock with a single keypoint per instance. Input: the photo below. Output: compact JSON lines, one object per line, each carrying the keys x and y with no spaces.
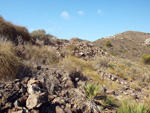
{"x":59,"y":110}
{"x":36,"y":100}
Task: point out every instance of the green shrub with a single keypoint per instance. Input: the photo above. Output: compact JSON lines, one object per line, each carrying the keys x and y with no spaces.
{"x":146,"y":59}
{"x":91,"y":91}
{"x":108,"y":44}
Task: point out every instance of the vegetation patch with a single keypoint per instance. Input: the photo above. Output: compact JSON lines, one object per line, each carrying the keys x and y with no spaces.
{"x":9,"y":62}
{"x":146,"y":58}
{"x":12,"y":31}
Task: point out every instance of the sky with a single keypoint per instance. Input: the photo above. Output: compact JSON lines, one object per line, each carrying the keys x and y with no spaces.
{"x":86,"y":19}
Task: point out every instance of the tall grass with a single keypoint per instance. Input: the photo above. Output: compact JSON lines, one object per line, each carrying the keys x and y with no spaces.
{"x":132,"y":107}
{"x":9,"y":62}
{"x":12,"y":31}
{"x":41,"y":55}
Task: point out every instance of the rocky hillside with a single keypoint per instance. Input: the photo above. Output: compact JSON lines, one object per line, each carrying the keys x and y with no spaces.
{"x":130,"y":44}
{"x":50,"y":75}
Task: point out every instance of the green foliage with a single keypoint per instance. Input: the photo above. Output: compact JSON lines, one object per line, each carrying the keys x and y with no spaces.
{"x":108,"y":44}
{"x":130,"y":107}
{"x":146,"y":59}
{"x":91,"y":91}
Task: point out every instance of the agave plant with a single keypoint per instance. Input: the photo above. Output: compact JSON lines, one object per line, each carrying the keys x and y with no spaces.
{"x":91,"y":91}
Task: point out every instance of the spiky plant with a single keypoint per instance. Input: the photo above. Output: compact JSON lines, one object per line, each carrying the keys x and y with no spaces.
{"x":91,"y":91}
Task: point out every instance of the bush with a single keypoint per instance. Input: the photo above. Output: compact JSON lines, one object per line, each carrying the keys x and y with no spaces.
{"x":12,"y":31}
{"x":40,"y":36}
{"x":41,"y":55}
{"x":91,"y":91}
{"x":101,"y":62}
{"x":146,"y":59}
{"x":9,"y":62}
{"x":108,"y":44}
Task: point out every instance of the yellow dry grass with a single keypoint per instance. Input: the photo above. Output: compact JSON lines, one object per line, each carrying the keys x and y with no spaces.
{"x":41,"y":55}
{"x":9,"y":62}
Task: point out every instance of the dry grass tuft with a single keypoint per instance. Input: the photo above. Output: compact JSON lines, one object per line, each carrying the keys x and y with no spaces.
{"x":9,"y":62}
{"x":41,"y":55}
{"x":12,"y":31}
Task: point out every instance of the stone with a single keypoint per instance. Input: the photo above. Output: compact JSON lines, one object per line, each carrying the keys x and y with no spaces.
{"x":7,"y":106}
{"x":34,"y":86}
{"x":69,"y":84}
{"x":58,"y":100}
{"x":36,"y":100}
{"x":34,"y":111}
{"x":110,"y":91}
{"x":16,"y":103}
{"x":38,"y":67}
{"x":59,"y":110}
{"x":22,"y":100}
{"x":82,"y":54}
{"x":68,"y":110}
{"x":68,"y":105}
{"x":113,"y":78}
{"x":18,"y":110}
{"x":134,"y":96}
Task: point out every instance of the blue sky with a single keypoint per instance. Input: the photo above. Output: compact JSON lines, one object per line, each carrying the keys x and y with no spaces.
{"x":85,"y":19}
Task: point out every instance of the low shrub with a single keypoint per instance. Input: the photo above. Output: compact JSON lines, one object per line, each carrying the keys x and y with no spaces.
{"x":146,"y":59}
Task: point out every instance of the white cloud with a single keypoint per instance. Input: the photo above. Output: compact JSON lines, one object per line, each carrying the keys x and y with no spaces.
{"x":99,"y":12}
{"x":80,"y":12}
{"x":65,"y":15}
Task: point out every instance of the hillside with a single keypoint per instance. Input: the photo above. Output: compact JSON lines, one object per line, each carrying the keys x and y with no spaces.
{"x":48,"y":75}
{"x":129,"y":45}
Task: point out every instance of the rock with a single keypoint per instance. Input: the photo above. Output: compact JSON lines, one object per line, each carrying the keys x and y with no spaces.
{"x":113,"y":78}
{"x":68,"y":105}
{"x":69,"y":84}
{"x":7,"y":106}
{"x":38,"y":67}
{"x":68,"y":110}
{"x":134,"y":96}
{"x":34,"y":86}
{"x":22,"y":101}
{"x":18,"y":110}
{"x":36,"y":100}
{"x":81,"y":54}
{"x":34,"y":111}
{"x":110,"y":91}
{"x":16,"y":103}
{"x":59,"y":110}
{"x":58,"y":100}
